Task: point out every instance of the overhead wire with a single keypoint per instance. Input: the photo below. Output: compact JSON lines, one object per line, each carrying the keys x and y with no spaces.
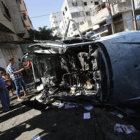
{"x":39,"y":16}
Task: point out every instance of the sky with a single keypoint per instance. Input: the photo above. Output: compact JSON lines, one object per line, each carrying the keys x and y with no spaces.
{"x":42,"y":7}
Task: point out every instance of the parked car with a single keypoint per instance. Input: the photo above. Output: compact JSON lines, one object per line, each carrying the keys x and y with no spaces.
{"x":90,"y":34}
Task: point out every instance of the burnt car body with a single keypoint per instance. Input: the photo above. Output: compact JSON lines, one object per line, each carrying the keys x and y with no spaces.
{"x":107,"y":68}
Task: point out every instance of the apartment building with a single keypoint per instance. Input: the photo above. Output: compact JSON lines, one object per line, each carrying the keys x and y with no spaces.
{"x":55,"y":20}
{"x":121,"y":14}
{"x":12,"y":28}
{"x":80,"y":11}
{"x":24,"y":12}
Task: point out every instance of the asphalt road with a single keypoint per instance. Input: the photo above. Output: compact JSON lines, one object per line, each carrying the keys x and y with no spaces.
{"x":27,"y":120}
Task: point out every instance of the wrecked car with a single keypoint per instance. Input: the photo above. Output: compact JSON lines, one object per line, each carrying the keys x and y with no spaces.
{"x":108,"y":68}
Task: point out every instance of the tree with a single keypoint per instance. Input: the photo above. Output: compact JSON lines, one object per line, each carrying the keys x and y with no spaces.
{"x":43,"y":33}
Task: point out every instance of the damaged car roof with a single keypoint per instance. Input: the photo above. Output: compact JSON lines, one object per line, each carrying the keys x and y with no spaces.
{"x":58,"y":46}
{"x":123,"y":37}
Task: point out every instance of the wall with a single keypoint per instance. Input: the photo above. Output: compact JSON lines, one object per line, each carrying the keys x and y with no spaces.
{"x":3,"y":20}
{"x":7,"y":52}
{"x":11,"y":27}
{"x":3,"y":63}
{"x":127,"y":21}
{"x":76,"y":10}
{"x":24,"y":13}
{"x":16,"y":17}
{"x":100,"y":16}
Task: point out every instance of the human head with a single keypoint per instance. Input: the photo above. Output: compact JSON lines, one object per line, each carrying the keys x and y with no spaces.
{"x":12,"y":61}
{"x":3,"y":73}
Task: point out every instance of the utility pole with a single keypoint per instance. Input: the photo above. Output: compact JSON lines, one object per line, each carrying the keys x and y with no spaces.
{"x":110,"y":13}
{"x":134,"y":15}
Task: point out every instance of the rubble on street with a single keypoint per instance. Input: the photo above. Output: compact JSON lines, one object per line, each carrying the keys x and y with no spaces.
{"x":29,"y":121}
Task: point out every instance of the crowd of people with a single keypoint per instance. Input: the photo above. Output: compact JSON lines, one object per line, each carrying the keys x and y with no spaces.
{"x":12,"y":76}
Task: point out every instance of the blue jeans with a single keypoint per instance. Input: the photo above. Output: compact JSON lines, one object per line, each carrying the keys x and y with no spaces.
{"x":4,"y":97}
{"x":19,"y":84}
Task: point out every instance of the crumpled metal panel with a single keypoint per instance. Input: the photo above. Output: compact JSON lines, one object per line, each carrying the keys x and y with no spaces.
{"x":124,"y":52}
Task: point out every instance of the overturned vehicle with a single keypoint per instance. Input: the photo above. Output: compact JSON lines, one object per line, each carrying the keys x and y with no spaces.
{"x":108,"y":68}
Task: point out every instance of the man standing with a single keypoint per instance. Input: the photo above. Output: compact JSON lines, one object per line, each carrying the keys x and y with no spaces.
{"x":14,"y":73}
{"x":4,"y":97}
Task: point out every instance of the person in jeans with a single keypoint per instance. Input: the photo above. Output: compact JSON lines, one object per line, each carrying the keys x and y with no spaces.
{"x":4,"y":97}
{"x":14,"y":73}
{"x":7,"y":81}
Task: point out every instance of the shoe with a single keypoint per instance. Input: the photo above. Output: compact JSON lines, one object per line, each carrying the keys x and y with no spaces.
{"x":19,"y":100}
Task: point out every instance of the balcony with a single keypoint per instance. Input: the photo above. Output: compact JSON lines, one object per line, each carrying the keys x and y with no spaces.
{"x":121,"y":7}
{"x":85,"y":27}
{"x":100,"y":16}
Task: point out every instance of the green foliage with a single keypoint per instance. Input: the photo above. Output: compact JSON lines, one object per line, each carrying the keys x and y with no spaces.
{"x":43,"y":33}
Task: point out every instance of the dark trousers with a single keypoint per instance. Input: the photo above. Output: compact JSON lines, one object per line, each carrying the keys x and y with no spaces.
{"x":4,"y":97}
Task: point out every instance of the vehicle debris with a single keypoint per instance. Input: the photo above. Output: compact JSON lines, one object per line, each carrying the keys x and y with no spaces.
{"x":70,"y":105}
{"x":36,"y":138}
{"x":117,"y":114}
{"x":121,"y":128}
{"x":88,"y":107}
{"x":79,"y":66}
{"x":61,"y":105}
{"x":86,"y":116}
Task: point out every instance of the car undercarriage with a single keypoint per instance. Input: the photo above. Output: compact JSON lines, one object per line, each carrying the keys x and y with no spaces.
{"x":67,"y":68}
{"x":77,"y":66}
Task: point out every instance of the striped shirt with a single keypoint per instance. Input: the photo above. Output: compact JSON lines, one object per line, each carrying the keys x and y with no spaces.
{"x":11,"y":69}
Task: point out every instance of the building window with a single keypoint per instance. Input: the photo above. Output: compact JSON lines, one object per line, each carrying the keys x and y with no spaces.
{"x":66,"y":8}
{"x":87,"y":13}
{"x":77,"y":14}
{"x":96,"y":3}
{"x":81,"y":14}
{"x":18,"y":1}
{"x":103,"y":6}
{"x":89,"y":23}
{"x":81,"y":23}
{"x":74,"y":3}
{"x":85,"y":3}
{"x":63,"y":13}
{"x":74,"y":28}
{"x":24,"y":16}
{"x":55,"y":22}
{"x":6,"y":38}
{"x":6,"y":11}
{"x":91,"y":1}
{"x":23,"y":23}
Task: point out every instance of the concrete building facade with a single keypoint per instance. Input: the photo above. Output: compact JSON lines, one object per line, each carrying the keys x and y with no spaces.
{"x":95,"y":15}
{"x":55,"y":20}
{"x":80,"y":11}
{"x":12,"y":28}
{"x":122,"y":17}
{"x":24,"y":12}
